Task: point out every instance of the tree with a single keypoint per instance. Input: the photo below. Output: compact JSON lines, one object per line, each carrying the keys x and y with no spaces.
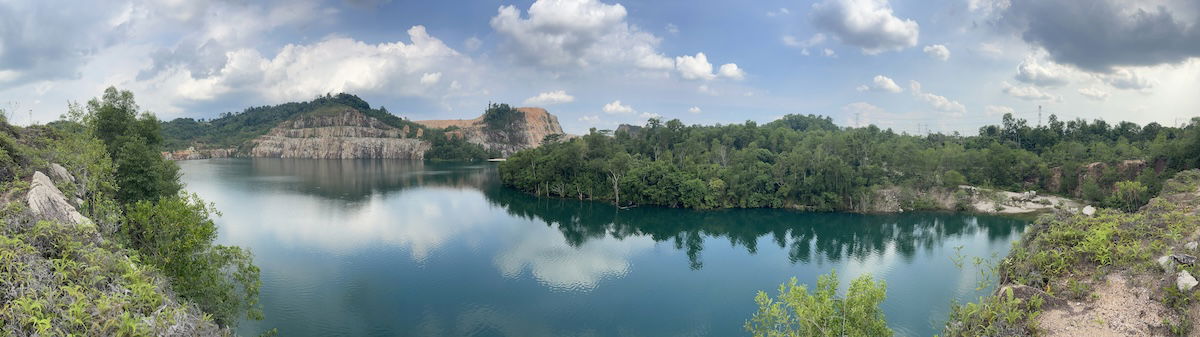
{"x":134,"y":143}
{"x":176,"y":234}
{"x":796,"y":312}
{"x":616,"y":168}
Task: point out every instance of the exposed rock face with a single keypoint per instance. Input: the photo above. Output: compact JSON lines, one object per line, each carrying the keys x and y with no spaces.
{"x":526,"y":133}
{"x":344,"y":134}
{"x":48,"y":203}
{"x":192,"y":153}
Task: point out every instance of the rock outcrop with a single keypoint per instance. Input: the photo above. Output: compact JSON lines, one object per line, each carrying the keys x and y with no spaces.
{"x":524,"y":133}
{"x":192,"y":153}
{"x":46,"y":202}
{"x":344,"y":133}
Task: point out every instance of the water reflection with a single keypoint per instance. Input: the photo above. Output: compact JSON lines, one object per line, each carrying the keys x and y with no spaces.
{"x":808,"y":237}
{"x":361,"y":247}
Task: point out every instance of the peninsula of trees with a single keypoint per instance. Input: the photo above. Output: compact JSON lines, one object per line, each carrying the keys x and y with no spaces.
{"x":807,"y":162}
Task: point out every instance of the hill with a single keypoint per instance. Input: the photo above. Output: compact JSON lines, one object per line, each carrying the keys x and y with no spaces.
{"x":345,"y":126}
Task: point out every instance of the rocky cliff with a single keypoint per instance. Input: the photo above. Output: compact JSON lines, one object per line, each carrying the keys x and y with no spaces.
{"x":521,"y":133}
{"x":338,"y":133}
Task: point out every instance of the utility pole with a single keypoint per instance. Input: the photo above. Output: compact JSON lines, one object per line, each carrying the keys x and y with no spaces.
{"x":1039,"y":124}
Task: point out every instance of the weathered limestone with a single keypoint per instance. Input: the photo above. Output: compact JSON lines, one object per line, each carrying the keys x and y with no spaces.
{"x":48,"y":203}
{"x":527,"y":133}
{"x":1185,"y":281}
{"x":347,"y":134}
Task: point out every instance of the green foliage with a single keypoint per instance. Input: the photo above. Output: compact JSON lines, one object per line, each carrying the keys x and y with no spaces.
{"x":501,"y":116}
{"x":134,"y":143}
{"x":176,"y":234}
{"x":807,"y":163}
{"x":448,"y":147}
{"x":952,"y":179}
{"x":1001,"y":315}
{"x":796,"y":312}
{"x":1128,"y":196}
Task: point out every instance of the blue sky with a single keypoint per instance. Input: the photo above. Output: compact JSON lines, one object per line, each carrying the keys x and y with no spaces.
{"x":943,"y":65}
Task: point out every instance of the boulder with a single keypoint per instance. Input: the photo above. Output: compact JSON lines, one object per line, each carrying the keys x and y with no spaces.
{"x":1184,"y":281}
{"x":1184,"y":259}
{"x":1089,"y":210}
{"x":48,"y":203}
{"x":1190,"y":245}
{"x":60,"y":173}
{"x":1166,"y":263}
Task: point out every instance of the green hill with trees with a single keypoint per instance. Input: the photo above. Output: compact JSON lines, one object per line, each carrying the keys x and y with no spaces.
{"x":234,"y":130}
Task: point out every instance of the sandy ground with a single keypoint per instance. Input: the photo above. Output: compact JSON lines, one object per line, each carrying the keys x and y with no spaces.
{"x":1039,"y":203}
{"x":1122,"y":309}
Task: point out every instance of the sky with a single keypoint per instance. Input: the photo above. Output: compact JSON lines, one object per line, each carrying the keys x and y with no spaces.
{"x":913,"y":66}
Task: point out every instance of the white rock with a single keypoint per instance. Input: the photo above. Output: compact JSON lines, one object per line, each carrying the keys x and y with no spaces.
{"x":1185,"y":281}
{"x":1167,"y":263}
{"x":60,"y":173}
{"x":48,"y":203}
{"x":1089,"y":210}
{"x":1191,"y":245}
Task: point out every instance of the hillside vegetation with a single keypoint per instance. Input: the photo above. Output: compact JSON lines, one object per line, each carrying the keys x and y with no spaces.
{"x":807,"y":162}
{"x":111,"y":245}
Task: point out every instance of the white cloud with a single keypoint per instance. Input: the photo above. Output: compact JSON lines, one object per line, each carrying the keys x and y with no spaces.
{"x":939,"y":103}
{"x":731,"y":71}
{"x":617,"y":108}
{"x":881,"y":83}
{"x":431,"y":78}
{"x":694,"y":67}
{"x":779,"y":12}
{"x":592,"y":119}
{"x":333,"y":65}
{"x":829,"y":52}
{"x":694,"y":110}
{"x":550,"y":98}
{"x":1126,"y":79}
{"x":649,"y":115}
{"x":569,"y":34}
{"x":472,"y":43}
{"x":868,"y":24}
{"x":1045,"y":75}
{"x":1028,"y":93}
{"x":705,"y":89}
{"x":992,"y":50}
{"x":672,"y":28}
{"x":1094,"y":93}
{"x":792,"y":41}
{"x":997,"y":110}
{"x":937,"y":51}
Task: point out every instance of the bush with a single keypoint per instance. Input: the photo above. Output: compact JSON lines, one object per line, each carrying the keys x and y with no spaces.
{"x":176,"y":234}
{"x":796,"y":312}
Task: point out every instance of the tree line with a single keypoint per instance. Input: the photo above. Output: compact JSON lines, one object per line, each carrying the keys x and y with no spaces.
{"x":808,"y":162}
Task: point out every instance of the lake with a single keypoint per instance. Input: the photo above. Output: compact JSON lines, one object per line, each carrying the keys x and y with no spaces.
{"x":401,"y":248}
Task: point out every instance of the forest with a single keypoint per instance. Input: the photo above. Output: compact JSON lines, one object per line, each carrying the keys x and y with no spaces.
{"x":807,"y":162}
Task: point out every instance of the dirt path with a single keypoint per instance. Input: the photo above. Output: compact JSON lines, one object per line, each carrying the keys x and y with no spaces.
{"x":1121,"y":309}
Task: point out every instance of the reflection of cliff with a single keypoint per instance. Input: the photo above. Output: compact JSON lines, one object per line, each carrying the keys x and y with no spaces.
{"x":358,"y":179}
{"x":807,"y":236}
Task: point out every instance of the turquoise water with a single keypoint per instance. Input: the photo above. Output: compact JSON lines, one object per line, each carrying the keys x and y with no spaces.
{"x":399,"y":248}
